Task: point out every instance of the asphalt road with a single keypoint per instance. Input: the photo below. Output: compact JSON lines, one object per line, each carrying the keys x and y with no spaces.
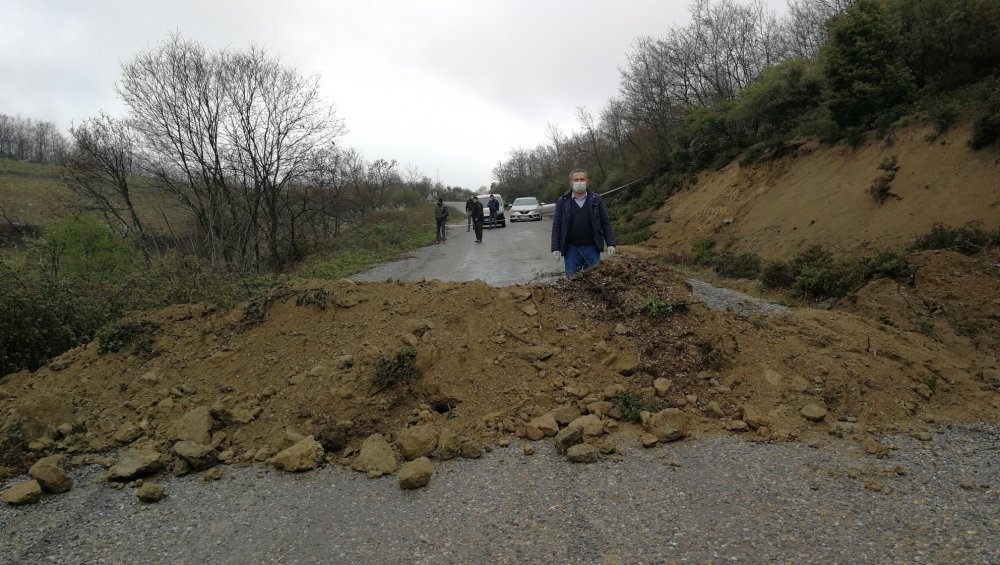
{"x":518,"y":253}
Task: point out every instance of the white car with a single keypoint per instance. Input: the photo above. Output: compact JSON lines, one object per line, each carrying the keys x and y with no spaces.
{"x":525,"y":208}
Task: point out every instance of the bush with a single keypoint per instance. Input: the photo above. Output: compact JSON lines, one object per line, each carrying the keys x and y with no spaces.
{"x":736,"y":266}
{"x":986,"y":131}
{"x":82,"y":248}
{"x":703,"y":251}
{"x":777,"y":274}
{"x":968,"y":240}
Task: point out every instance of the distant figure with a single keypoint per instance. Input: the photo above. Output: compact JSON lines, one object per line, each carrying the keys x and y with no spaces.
{"x":494,"y":206}
{"x":581,"y":228}
{"x":468,"y":213}
{"x":441,"y":217}
{"x":477,"y":218}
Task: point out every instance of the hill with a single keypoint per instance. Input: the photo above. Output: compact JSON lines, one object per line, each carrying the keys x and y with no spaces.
{"x":820,"y":195}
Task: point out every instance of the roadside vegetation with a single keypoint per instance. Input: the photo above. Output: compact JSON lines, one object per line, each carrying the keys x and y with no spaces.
{"x":707,"y":93}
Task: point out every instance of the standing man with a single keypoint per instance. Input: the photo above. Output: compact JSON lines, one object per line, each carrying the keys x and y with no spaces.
{"x":468,"y":213}
{"x":494,"y":207}
{"x":441,"y":217}
{"x":581,"y":228}
{"x":477,"y":218}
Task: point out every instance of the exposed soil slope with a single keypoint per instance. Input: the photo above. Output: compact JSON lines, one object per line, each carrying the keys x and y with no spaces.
{"x":819,"y":194}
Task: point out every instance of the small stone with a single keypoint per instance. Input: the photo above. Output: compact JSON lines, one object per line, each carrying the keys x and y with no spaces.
{"x":150,"y":492}
{"x":669,"y":424}
{"x":213,"y":474}
{"x":813,"y":412}
{"x":739,"y":426}
{"x":529,"y":450}
{"x":504,"y":442}
{"x":417,"y":441}
{"x":302,"y":456}
{"x":416,"y":473}
{"x":922,"y":436}
{"x":648,"y":440}
{"x":582,"y":453}
{"x":376,"y":455}
{"x":873,"y":447}
{"x":565,"y":414}
{"x":714,"y":410}
{"x":546,"y":423}
{"x":592,"y":425}
{"x":533,"y":433}
{"x":195,"y":426}
{"x":128,"y":433}
{"x":471,"y":450}
{"x":135,"y":463}
{"x":28,"y":492}
{"x":197,"y":456}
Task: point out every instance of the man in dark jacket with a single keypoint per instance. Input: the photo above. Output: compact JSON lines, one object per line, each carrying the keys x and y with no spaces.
{"x":468,"y":212}
{"x":581,"y":228}
{"x":477,"y":218}
{"x":441,"y":217}
{"x":494,"y":206}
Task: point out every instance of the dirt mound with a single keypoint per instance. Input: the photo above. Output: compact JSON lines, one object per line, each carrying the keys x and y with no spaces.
{"x":340,"y":361}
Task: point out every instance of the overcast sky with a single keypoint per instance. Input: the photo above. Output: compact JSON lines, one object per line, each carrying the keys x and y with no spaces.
{"x":446,"y":86}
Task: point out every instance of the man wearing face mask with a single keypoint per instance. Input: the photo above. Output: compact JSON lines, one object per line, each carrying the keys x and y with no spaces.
{"x":581,"y":228}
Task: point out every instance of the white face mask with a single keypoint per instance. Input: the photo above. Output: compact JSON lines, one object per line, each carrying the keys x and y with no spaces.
{"x":580,"y":187}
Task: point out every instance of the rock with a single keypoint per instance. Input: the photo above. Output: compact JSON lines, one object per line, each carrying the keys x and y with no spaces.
{"x":567,"y":438}
{"x":754,"y":417}
{"x":565,"y":414}
{"x":345,"y":361}
{"x":242,"y":415}
{"x":213,"y":474}
{"x":648,"y":440}
{"x":27,"y":492}
{"x":841,"y":429}
{"x":417,"y":441}
{"x":302,"y":456}
{"x":620,"y":329}
{"x":375,"y":455}
{"x":924,"y":391}
{"x":52,"y":479}
{"x":194,"y":426}
{"x":738,"y":426}
{"x":135,"y":463}
{"x":582,"y":453}
{"x":669,"y":424}
{"x":532,"y":353}
{"x":592,"y":425}
{"x":448,"y":446}
{"x":610,"y":391}
{"x":813,"y":412}
{"x":663,"y":386}
{"x":471,"y":450}
{"x":529,"y":450}
{"x":600,"y":409}
{"x":150,"y":492}
{"x":533,"y":433}
{"x":196,"y":455}
{"x":290,"y":437}
{"x":416,"y":473}
{"x":873,"y":447}
{"x":799,"y":384}
{"x":529,"y":309}
{"x":128,"y":433}
{"x":714,"y":410}
{"x":922,"y":436}
{"x":547,"y":424}
{"x":625,"y":363}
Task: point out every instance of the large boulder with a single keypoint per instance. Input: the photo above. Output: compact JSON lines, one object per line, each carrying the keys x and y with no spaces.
{"x":196,"y":455}
{"x":52,"y":479}
{"x":302,"y":456}
{"x":417,"y":442}
{"x":375,"y":455}
{"x":567,"y":438}
{"x":669,"y":424}
{"x":194,"y":426}
{"x":135,"y":463}
{"x":27,"y":492}
{"x":416,"y":473}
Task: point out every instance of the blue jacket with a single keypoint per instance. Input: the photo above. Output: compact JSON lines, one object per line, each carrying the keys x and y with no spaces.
{"x":494,"y":205}
{"x":599,"y":221}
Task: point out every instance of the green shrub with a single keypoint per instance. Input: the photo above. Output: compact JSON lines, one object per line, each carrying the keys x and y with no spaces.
{"x":132,"y":337}
{"x":703,"y":251}
{"x":986,"y":131}
{"x":83,"y":248}
{"x":886,"y":264}
{"x":736,"y":266}
{"x":657,"y":307}
{"x":632,"y":403}
{"x":777,"y":274}
{"x":968,"y":240}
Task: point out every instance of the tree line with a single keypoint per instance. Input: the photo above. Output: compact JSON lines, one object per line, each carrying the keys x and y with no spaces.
{"x":244,"y":145}
{"x":738,"y":76}
{"x":25,"y":139}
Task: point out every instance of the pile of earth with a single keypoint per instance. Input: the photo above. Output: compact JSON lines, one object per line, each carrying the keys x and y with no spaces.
{"x":445,"y":369}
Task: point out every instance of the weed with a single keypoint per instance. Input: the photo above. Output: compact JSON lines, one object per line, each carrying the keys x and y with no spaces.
{"x":632,"y":403}
{"x":736,"y":266}
{"x":656,"y":307}
{"x":313,"y":296}
{"x":395,"y":369}
{"x":890,"y":164}
{"x":880,"y":189}
{"x":703,"y":251}
{"x":967,"y":240}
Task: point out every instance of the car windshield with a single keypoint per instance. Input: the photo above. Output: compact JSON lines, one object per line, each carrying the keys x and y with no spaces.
{"x":526,"y":202}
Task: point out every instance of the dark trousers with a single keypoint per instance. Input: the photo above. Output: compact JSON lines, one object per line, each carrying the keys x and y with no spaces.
{"x":468,"y":225}
{"x":493,"y":219}
{"x":442,"y":233}
{"x":477,"y":225}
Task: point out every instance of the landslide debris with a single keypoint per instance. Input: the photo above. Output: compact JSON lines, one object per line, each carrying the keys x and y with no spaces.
{"x":372,"y":375}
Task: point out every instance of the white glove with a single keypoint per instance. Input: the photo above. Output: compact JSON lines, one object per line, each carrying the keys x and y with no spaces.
{"x":611,"y":250}
{"x":557,"y":254}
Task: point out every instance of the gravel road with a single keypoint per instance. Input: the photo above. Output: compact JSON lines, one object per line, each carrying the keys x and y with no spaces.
{"x":707,"y":501}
